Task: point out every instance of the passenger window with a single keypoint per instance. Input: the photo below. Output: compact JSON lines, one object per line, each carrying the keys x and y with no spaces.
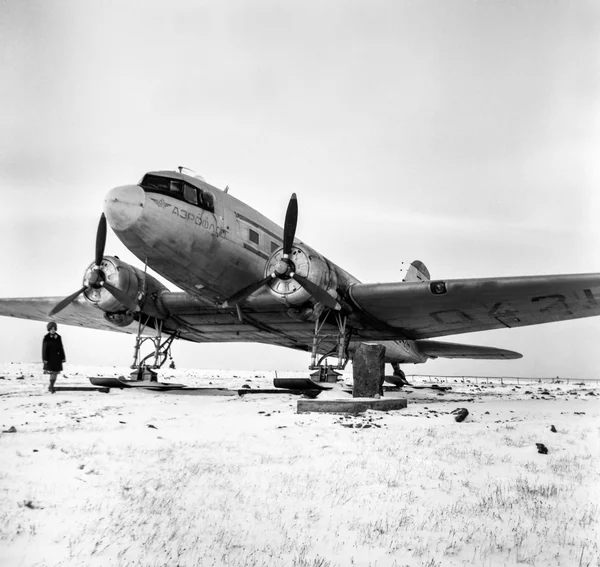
{"x":253,"y":236}
{"x":190,"y":194}
{"x":274,"y":246}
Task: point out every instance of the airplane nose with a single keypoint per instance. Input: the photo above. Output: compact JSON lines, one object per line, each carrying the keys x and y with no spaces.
{"x":123,"y":206}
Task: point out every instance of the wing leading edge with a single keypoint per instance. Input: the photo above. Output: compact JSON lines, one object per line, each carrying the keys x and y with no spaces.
{"x":426,"y":310}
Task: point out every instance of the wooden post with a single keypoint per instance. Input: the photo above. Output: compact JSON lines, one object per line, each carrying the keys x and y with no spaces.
{"x":368,"y":371}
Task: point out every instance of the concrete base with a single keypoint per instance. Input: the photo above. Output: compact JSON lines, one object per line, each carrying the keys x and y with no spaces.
{"x":353,"y":406}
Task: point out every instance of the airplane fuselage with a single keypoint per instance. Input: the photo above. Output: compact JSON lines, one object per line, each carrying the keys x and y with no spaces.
{"x":207,"y":253}
{"x":210,"y":244}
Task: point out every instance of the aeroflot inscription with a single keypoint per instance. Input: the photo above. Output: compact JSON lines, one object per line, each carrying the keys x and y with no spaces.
{"x":198,"y":220}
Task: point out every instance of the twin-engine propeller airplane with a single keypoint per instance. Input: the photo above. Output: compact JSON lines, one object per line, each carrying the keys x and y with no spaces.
{"x":245,"y":279}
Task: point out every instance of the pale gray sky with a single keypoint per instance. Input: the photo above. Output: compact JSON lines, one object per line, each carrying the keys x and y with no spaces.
{"x":461,"y":133}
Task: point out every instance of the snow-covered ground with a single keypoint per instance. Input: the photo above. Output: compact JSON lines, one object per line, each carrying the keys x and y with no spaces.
{"x":136,"y":477}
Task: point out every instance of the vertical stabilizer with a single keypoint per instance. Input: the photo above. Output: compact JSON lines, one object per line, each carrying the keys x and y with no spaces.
{"x":416,"y":272}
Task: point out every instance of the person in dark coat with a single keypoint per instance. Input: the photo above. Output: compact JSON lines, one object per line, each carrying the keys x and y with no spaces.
{"x":53,"y":354}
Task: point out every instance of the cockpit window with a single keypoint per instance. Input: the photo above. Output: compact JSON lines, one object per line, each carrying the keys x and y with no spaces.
{"x":157,"y":183}
{"x":190,"y":194}
{"x":154,"y":182}
{"x":180,"y":189}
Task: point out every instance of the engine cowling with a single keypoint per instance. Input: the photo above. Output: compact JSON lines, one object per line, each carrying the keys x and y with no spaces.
{"x":130,"y":280}
{"x":307,"y":264}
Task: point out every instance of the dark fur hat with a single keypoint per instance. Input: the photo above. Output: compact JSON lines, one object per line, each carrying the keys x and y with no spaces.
{"x":50,"y":325}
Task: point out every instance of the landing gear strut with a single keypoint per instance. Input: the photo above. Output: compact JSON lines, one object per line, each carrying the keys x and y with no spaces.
{"x":342,"y":339}
{"x":160,"y":352}
{"x":399,"y":378}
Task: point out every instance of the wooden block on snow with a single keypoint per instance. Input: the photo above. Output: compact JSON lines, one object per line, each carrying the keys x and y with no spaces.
{"x":351,"y":405}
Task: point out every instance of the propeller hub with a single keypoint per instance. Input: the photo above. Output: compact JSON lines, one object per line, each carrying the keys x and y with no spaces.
{"x":96,"y":277}
{"x":284,"y":268}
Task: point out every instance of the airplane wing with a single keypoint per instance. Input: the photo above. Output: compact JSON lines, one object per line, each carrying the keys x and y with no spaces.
{"x":450,"y":307}
{"x":80,"y":313}
{"x":192,"y":319}
{"x":394,"y":311}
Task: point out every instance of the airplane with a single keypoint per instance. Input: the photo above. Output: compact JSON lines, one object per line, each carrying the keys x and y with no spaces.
{"x":246,"y":279}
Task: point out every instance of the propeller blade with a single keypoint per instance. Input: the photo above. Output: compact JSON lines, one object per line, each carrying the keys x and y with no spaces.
{"x":100,"y":240}
{"x":121,"y":297}
{"x":246,"y":292}
{"x":317,"y":292}
{"x":289,"y":226}
{"x":62,"y":304}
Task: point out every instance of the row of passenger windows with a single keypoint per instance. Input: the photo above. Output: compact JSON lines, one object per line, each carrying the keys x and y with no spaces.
{"x":179,"y":188}
{"x":254,"y":237}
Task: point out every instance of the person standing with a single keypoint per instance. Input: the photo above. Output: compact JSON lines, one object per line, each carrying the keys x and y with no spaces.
{"x":53,"y":354}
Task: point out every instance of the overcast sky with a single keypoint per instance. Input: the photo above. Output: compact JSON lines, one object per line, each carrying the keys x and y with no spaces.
{"x":463,"y":134}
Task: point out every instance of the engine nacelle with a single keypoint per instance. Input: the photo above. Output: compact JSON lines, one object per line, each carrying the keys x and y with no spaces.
{"x":309,"y":265}
{"x":129,"y":280}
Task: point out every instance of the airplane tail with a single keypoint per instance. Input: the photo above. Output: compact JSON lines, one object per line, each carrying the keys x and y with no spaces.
{"x":416,"y":272}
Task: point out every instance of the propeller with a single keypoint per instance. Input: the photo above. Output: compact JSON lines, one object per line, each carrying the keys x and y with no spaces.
{"x":242,"y":294}
{"x":62,"y":304}
{"x":100,"y":240}
{"x":285,"y":268}
{"x":121,"y":296}
{"x":289,"y":225}
{"x":97,"y":278}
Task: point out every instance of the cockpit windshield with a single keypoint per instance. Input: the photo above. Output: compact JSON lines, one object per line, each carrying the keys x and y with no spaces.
{"x":179,"y":189}
{"x":158,"y":183}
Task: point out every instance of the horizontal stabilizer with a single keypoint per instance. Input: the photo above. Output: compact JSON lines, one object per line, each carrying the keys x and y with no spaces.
{"x":438,"y":349}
